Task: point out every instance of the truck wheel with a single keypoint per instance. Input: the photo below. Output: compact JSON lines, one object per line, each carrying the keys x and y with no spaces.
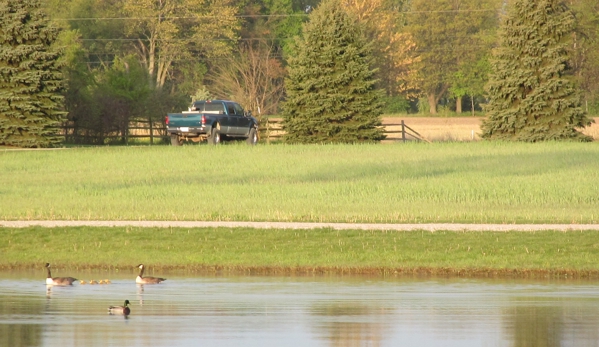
{"x":253,"y":137}
{"x":175,"y":140}
{"x":214,"y":138}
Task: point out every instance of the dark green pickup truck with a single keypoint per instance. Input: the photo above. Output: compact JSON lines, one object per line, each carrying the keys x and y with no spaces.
{"x":212,"y":120}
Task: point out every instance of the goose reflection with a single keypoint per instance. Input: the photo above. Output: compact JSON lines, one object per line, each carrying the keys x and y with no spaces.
{"x":140,"y":293}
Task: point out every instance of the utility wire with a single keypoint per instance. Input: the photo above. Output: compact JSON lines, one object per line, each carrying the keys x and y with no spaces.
{"x":258,"y":15}
{"x":247,"y":39}
{"x":177,"y":40}
{"x":470,"y":48}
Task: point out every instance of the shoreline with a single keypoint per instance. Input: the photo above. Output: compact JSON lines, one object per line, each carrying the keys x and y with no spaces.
{"x":300,"y":225}
{"x":290,"y":271}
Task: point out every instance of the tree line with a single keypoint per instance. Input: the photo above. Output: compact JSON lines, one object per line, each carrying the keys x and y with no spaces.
{"x":99,"y":64}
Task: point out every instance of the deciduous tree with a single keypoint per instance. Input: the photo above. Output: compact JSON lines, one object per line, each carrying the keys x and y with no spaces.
{"x":384,"y":22}
{"x":253,"y":74}
{"x":253,"y":77}
{"x":447,"y":36}
{"x":167,"y":32}
{"x":585,"y":51}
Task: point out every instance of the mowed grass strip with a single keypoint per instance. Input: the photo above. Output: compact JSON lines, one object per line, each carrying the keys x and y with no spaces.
{"x":321,"y":250}
{"x":481,"y":182}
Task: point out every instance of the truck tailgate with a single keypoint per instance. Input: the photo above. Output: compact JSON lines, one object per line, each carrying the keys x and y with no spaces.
{"x":184,"y":119}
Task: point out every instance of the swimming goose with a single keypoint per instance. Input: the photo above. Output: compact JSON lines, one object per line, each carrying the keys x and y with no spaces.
{"x":82,"y":282}
{"x":93,"y":282}
{"x":58,"y":281}
{"x":146,"y":280}
{"x":125,"y":310}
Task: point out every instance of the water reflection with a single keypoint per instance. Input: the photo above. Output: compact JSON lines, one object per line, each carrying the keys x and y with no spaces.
{"x":13,"y":310}
{"x":140,"y":293}
{"x":351,"y":324}
{"x":533,"y":325}
{"x":299,"y":311}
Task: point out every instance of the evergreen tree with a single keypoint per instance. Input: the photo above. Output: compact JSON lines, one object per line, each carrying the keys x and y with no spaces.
{"x":531,"y":96}
{"x":330,"y":87}
{"x":30,"y":78}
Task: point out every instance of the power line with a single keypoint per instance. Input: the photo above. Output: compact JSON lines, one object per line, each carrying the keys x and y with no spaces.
{"x":177,"y":40}
{"x":247,"y":39}
{"x":257,"y":15}
{"x":451,"y":11}
{"x":183,"y":17}
{"x":469,"y":48}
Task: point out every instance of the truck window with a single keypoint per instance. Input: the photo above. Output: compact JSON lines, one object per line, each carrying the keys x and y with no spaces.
{"x":197,"y":106}
{"x":231,"y":109}
{"x":238,"y":109}
{"x":216,"y":108}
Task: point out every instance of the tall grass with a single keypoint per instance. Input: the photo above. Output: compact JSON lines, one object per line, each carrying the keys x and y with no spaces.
{"x":402,"y":183}
{"x":350,"y":251}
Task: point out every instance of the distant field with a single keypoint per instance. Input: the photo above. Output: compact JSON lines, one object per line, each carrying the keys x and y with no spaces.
{"x":458,"y":128}
{"x":472,"y":182}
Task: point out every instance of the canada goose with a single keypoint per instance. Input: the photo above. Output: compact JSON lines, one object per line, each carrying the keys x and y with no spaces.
{"x":124,"y":310}
{"x":58,"y":281}
{"x":146,"y":280}
{"x":101,"y":282}
{"x":82,"y":282}
{"x":93,"y":282}
{"x":107,"y":281}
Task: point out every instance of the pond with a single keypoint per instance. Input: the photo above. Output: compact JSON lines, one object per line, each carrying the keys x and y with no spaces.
{"x":194,"y":310}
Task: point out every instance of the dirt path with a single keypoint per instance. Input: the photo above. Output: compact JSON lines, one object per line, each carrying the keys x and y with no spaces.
{"x":291,"y":225}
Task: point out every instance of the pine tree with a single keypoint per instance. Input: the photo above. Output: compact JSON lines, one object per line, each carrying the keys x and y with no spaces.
{"x":30,"y":77}
{"x":531,"y":96}
{"x":331,"y":95}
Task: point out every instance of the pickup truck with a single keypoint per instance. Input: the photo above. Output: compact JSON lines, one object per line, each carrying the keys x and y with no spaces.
{"x":212,"y":120}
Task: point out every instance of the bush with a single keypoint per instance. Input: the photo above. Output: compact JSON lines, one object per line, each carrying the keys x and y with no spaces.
{"x":395,"y":104}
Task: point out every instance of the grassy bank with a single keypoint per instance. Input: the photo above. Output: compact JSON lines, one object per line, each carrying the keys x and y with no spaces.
{"x":403,"y":183}
{"x":323,"y":250}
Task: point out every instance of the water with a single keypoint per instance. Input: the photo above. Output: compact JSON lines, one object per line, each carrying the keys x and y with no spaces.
{"x":298,"y":311}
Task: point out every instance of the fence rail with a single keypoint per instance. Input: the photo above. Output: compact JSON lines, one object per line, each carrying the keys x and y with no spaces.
{"x":407,"y":133}
{"x":138,"y":129}
{"x":271,"y":129}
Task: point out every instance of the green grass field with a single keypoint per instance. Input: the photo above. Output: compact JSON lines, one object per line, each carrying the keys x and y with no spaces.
{"x":547,"y":253}
{"x":479,"y":182}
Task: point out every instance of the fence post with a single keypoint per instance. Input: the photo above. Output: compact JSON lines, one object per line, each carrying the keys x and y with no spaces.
{"x":403,"y":131}
{"x":267,"y":130}
{"x":151,"y":132}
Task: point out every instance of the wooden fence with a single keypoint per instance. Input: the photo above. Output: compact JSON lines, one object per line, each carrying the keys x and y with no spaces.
{"x":270,"y":130}
{"x":138,"y":129}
